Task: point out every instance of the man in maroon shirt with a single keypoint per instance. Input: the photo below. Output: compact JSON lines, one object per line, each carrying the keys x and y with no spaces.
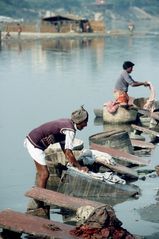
{"x":62,"y":131}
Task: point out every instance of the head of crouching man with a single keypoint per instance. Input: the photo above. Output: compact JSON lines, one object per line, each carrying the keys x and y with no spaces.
{"x":80,"y":118}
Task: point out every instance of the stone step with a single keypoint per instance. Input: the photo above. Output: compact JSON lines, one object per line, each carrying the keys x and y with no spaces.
{"x":16,"y":223}
{"x":120,"y":155}
{"x":59,"y":199}
{"x":145,"y":130}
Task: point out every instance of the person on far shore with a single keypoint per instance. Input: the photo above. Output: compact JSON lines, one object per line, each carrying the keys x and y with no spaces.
{"x":123,"y":82}
{"x":19,"y":29}
{"x":8,"y":35}
{"x":131,"y":27}
{"x":62,"y":131}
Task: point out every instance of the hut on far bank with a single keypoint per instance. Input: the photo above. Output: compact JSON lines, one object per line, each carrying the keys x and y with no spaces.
{"x":70,"y":23}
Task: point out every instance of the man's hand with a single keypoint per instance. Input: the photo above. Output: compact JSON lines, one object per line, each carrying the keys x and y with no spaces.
{"x":72,"y":160}
{"x":146,"y":84}
{"x":84,"y":169}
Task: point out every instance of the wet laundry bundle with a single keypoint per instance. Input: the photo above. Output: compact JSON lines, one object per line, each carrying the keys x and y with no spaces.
{"x":102,"y":223}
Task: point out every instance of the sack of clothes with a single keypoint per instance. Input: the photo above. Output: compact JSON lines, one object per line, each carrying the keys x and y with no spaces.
{"x":102,"y":223}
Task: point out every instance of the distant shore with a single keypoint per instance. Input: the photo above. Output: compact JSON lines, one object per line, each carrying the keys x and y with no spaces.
{"x":74,"y":35}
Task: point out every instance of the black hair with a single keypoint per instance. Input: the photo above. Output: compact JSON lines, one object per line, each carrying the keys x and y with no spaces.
{"x":127,"y":64}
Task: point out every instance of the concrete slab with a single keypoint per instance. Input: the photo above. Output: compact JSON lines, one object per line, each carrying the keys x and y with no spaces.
{"x":59,"y":199}
{"x":142,"y":144}
{"x":121,"y":155}
{"x":145,"y":130}
{"x":32,"y":225}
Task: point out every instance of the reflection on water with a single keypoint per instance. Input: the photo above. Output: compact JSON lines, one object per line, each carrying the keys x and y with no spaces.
{"x":151,"y":212}
{"x":98,"y":121}
{"x":59,"y":45}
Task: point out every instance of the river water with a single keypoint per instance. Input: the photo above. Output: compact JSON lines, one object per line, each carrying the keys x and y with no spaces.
{"x":47,"y":79}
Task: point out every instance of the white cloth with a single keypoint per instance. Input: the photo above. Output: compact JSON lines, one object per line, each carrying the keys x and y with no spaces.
{"x":90,"y":156}
{"x":70,"y":135}
{"x":107,"y":158}
{"x":150,"y":103}
{"x":108,"y":177}
{"x":37,"y":154}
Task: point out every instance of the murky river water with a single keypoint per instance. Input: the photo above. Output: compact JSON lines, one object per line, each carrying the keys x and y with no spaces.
{"x":48,"y":79}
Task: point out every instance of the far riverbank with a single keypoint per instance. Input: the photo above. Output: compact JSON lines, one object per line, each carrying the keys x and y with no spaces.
{"x":36,"y":35}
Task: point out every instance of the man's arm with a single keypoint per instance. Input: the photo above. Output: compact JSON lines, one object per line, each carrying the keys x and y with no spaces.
{"x":67,"y":149}
{"x":72,"y":160}
{"x":132,"y":82}
{"x":137,"y":83}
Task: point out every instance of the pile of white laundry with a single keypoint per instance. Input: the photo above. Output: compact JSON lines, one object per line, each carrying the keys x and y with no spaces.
{"x":88,"y":157}
{"x":108,"y":177}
